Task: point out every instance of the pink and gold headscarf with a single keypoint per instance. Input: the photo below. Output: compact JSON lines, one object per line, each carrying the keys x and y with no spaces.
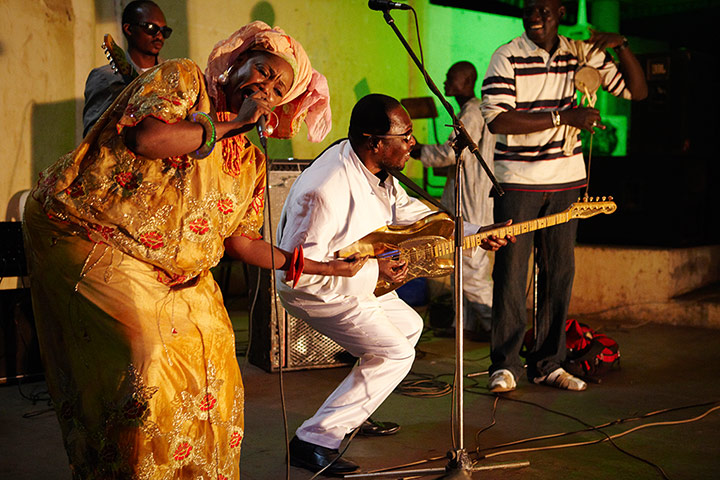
{"x":308,"y":98}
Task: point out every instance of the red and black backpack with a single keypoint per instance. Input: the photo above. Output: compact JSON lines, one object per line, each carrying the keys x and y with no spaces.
{"x":590,"y":355}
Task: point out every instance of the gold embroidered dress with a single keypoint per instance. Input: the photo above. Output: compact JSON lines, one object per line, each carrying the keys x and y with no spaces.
{"x":138,"y":348}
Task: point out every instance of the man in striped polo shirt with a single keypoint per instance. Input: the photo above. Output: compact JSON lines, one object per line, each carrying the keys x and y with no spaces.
{"x":529,"y":103}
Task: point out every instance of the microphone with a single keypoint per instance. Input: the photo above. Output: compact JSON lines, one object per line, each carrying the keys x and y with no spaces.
{"x":385,"y":5}
{"x":262,"y":131}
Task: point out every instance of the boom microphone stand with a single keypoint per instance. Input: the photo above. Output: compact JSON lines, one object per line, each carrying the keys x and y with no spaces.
{"x":459,"y":465}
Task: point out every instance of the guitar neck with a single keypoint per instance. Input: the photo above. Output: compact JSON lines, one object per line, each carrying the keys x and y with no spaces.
{"x":472,"y":241}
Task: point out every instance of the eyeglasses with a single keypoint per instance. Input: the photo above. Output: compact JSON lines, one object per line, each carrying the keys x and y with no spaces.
{"x":153,"y":29}
{"x":404,"y":136}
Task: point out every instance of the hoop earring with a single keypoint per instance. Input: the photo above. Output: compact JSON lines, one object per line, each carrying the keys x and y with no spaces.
{"x":225,"y":76}
{"x":272,"y":125}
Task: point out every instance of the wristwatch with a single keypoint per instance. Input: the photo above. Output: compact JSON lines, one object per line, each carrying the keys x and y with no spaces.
{"x":623,"y":45}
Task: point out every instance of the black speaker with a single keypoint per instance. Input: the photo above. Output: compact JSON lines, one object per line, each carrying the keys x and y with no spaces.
{"x":676,"y":116}
{"x":276,"y":337}
{"x":19,"y":350}
{"x":662,"y":201}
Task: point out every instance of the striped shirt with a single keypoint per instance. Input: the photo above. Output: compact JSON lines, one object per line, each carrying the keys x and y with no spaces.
{"x":526,"y":78}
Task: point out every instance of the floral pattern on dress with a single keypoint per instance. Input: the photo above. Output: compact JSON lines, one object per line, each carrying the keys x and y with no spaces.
{"x":111,"y":449}
{"x":152,"y":240}
{"x":126,"y":182}
{"x":199,"y":226}
{"x":178,"y":166}
{"x":226,"y":206}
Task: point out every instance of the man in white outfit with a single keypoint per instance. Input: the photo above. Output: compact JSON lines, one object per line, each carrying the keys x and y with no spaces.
{"x":344,"y":195}
{"x":477,"y":206}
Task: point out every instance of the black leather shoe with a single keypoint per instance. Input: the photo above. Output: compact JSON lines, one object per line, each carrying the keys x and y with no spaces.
{"x":372,"y":428}
{"x":315,"y":457}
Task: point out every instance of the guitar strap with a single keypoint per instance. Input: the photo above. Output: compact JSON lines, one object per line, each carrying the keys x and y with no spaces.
{"x":408,"y":182}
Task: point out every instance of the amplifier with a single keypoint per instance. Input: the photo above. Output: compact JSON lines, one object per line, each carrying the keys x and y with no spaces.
{"x":276,"y":337}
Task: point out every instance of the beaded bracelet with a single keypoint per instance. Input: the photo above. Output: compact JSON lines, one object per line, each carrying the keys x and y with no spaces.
{"x":207,"y":123}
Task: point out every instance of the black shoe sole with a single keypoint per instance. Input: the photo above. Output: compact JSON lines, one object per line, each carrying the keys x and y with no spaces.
{"x":296,"y":462}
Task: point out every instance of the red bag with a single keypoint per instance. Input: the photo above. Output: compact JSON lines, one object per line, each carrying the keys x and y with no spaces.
{"x":590,"y":355}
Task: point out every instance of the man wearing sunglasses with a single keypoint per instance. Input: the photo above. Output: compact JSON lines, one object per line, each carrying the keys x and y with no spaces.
{"x":145,"y":29}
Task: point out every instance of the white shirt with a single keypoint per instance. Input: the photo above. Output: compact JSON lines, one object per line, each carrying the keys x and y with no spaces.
{"x":333,"y":203}
{"x":477,"y":206}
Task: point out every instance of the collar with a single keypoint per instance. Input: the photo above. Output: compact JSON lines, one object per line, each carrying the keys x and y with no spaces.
{"x":531,"y":47}
{"x":375,"y":181}
{"x":142,"y":70}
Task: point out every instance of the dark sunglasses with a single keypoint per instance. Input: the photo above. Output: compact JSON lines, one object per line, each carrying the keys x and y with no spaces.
{"x":153,"y":29}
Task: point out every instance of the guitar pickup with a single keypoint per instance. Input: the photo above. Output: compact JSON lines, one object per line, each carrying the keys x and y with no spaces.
{"x":394,"y":254}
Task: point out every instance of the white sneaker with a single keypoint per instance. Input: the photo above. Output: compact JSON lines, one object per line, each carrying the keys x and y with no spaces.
{"x":561,"y":379}
{"x":502,"y":381}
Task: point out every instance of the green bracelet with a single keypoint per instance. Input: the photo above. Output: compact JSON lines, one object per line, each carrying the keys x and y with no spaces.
{"x":210,"y":137}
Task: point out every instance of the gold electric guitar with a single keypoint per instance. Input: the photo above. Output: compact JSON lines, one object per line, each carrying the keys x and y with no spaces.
{"x":118,"y":61}
{"x":426,"y":244}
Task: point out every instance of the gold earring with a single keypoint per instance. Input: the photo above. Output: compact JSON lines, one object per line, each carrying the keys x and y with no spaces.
{"x":223,"y":77}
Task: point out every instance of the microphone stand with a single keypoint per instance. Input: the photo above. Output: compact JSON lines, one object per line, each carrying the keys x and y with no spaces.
{"x":459,"y":465}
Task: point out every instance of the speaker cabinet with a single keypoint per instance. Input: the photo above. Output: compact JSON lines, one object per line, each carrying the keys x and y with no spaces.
{"x":677,"y":116}
{"x":19,"y":350}
{"x":277,"y":339}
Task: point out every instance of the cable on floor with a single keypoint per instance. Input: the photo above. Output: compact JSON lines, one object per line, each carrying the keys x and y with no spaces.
{"x":607,"y":437}
{"x":423,"y":385}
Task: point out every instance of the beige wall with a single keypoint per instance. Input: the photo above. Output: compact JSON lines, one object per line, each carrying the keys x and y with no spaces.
{"x":47,"y":47}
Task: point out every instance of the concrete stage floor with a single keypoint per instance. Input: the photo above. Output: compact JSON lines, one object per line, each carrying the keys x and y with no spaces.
{"x":662,"y":367}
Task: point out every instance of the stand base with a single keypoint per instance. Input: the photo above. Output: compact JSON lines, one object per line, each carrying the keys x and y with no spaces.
{"x":459,"y":468}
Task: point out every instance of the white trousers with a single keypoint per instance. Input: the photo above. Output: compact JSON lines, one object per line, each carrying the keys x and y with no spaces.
{"x":382,"y":333}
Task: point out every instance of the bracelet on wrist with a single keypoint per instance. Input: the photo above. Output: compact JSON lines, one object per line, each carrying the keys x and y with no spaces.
{"x":210,"y":136}
{"x":556,"y":118}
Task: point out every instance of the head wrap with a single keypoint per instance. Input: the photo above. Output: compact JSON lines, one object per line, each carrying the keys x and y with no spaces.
{"x":308,"y":98}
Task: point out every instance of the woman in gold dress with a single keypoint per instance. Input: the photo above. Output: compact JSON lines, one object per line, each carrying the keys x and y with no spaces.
{"x":121,"y":233}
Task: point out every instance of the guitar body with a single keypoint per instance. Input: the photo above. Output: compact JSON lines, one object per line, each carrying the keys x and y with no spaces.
{"x":414,"y":244}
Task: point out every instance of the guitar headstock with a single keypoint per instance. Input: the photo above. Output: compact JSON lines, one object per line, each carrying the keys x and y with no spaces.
{"x":588,"y":207}
{"x":116,"y":56}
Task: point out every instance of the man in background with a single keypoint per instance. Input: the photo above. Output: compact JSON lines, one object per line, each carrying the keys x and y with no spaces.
{"x":145,"y":29}
{"x":477,"y":206}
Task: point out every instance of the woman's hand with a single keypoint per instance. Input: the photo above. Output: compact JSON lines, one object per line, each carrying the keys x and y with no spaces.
{"x":392,"y":271}
{"x":347,"y":267}
{"x":253,"y":107}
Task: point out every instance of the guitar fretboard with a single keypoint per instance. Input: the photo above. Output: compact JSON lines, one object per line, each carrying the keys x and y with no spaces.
{"x":448,"y":246}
